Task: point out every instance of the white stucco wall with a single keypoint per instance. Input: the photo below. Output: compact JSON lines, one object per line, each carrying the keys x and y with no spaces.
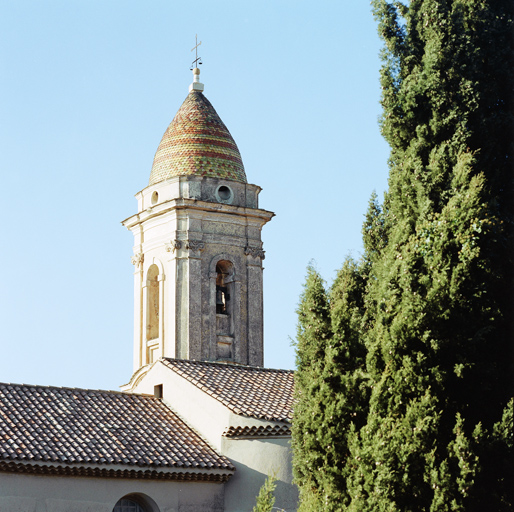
{"x":254,"y":460}
{"x":37,"y":493}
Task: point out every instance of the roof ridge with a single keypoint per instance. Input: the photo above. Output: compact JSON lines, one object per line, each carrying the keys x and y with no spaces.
{"x":229,"y":365}
{"x":50,"y":386}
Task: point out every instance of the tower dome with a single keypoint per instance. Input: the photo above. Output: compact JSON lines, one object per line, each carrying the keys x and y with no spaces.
{"x":198,"y":143}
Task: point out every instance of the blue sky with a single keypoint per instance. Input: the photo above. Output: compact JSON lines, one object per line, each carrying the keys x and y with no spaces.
{"x":88,"y":88}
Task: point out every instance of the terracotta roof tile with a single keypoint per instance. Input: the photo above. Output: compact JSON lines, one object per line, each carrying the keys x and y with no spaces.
{"x":251,"y":391}
{"x":43,"y":424}
{"x":258,"y":431}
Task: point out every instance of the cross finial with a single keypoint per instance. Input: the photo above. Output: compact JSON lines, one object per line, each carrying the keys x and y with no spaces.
{"x":198,"y":60}
{"x":196,"y":85}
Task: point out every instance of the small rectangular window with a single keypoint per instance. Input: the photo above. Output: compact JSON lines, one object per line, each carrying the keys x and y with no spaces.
{"x":157,"y":391}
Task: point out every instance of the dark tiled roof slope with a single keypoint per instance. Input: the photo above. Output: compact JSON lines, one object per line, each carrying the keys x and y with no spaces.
{"x":197,"y":142}
{"x":40,"y":424}
{"x":246,"y":390}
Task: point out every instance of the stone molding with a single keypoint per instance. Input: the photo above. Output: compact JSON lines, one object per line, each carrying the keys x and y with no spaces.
{"x":195,"y":245}
{"x":192,"y":245}
{"x":256,"y":252}
{"x":138,"y":259}
{"x":173,"y":246}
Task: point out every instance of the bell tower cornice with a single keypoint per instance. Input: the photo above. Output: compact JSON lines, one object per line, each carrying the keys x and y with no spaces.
{"x":192,"y":204}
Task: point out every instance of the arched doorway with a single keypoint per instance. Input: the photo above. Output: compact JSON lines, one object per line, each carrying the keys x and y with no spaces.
{"x":135,"y":503}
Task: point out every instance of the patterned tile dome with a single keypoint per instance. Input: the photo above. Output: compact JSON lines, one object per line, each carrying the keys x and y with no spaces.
{"x":198,"y":143}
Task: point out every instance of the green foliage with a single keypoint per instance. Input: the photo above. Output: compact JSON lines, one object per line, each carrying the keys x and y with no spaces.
{"x":374,"y":232}
{"x":314,"y":333}
{"x":266,"y":498}
{"x":404,"y":379}
{"x":344,"y":390}
{"x":330,"y":385}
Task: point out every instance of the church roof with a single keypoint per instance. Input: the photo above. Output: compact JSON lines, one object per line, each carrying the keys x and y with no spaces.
{"x":47,"y":429}
{"x":251,"y":391}
{"x":197,"y":142}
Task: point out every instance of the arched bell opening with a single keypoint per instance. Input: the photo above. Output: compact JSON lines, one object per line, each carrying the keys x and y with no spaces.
{"x":153,"y":313}
{"x":224,"y":279}
{"x":224,"y":308}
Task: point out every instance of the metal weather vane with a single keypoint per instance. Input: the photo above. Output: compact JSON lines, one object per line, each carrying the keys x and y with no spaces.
{"x":198,"y":60}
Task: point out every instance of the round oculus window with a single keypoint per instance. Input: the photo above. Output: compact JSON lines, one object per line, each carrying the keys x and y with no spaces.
{"x":224,"y":194}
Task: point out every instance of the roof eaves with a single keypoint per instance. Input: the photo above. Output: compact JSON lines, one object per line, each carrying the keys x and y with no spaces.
{"x":118,"y":471}
{"x":267,"y":431}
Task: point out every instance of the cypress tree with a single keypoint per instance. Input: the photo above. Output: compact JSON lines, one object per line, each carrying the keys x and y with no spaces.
{"x":374,"y":232}
{"x":313,"y":335}
{"x":266,"y":498}
{"x":439,"y":347}
{"x":330,"y":385}
{"x":344,"y":390}
{"x":421,"y":336}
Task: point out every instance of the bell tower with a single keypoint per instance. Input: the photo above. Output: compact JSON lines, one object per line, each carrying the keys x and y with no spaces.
{"x":197,"y":246}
